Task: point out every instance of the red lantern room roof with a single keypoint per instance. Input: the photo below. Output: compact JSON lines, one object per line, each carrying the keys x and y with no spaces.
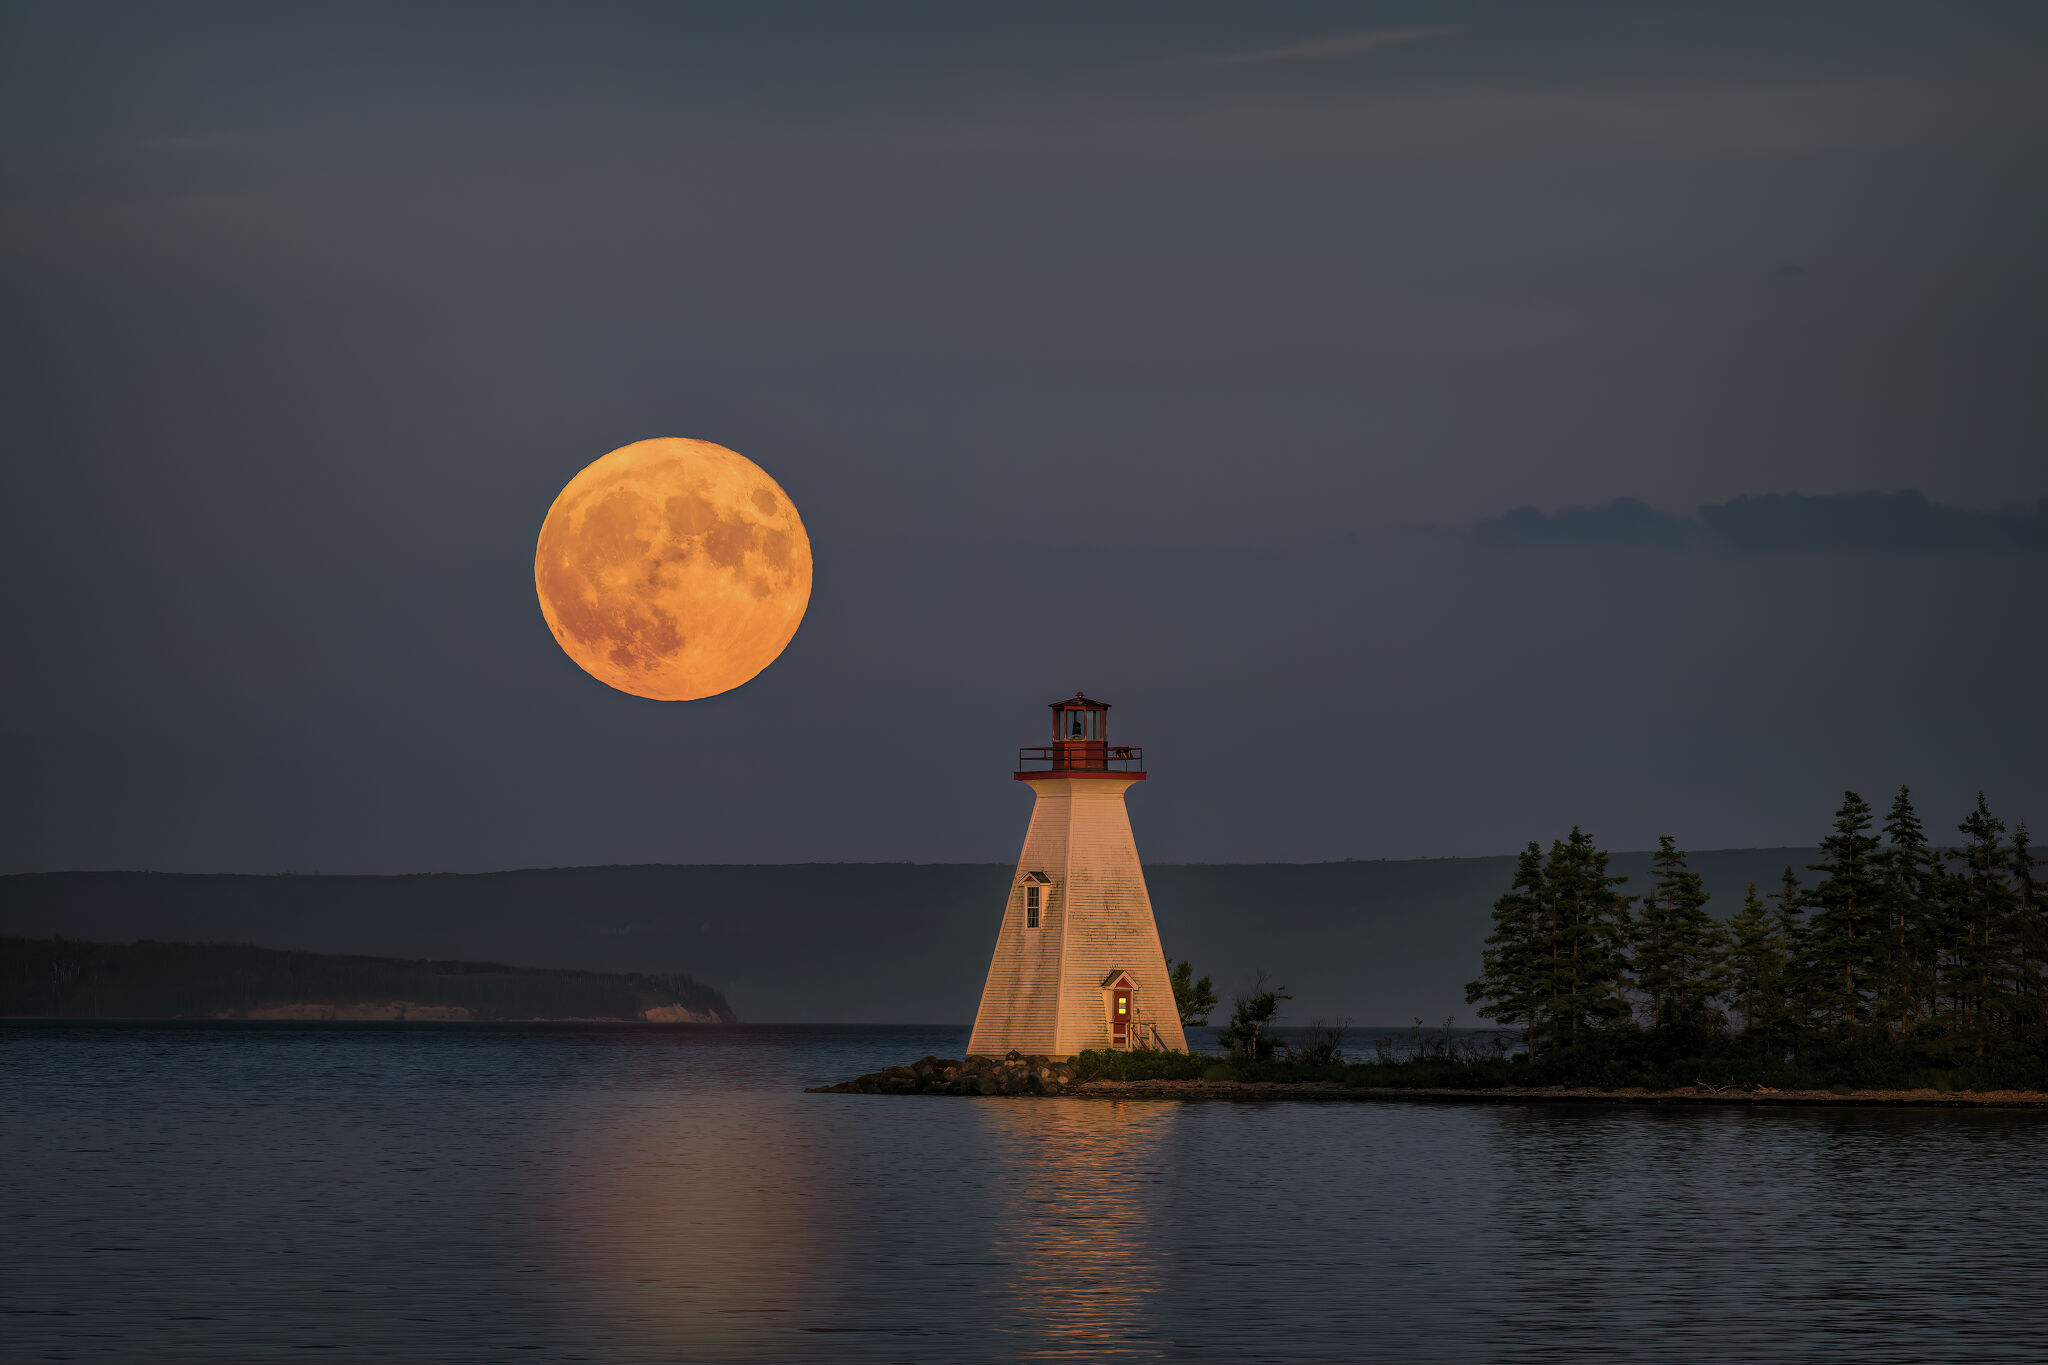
{"x":1079,"y":702}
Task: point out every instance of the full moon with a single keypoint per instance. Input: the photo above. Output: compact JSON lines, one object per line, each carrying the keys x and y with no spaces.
{"x":673,"y":569}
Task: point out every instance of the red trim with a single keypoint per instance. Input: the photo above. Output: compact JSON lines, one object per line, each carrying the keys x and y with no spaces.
{"x":1077,"y":772}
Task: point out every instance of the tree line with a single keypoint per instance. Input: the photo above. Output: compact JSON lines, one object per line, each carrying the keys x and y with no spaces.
{"x":1900,"y":957}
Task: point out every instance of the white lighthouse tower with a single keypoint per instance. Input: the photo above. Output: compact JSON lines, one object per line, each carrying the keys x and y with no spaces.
{"x":1077,"y":962}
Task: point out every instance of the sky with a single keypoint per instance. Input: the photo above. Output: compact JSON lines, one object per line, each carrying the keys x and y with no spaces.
{"x":1188,"y":355}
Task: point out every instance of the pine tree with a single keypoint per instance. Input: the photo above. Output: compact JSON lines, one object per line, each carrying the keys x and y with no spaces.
{"x":1910,"y":877}
{"x":1944,"y":927}
{"x":2030,"y":919}
{"x":1757,"y":962}
{"x":1984,"y":967}
{"x":1589,"y":930}
{"x":1514,"y":976}
{"x":1795,"y":1001}
{"x":1193,"y":1000}
{"x":1680,"y":950}
{"x":1843,"y":931}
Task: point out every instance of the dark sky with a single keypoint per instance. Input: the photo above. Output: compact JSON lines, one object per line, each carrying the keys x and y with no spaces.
{"x":1167,"y":352}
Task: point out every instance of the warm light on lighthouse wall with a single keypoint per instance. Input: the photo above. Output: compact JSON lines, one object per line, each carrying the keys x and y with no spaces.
{"x":1077,"y":961}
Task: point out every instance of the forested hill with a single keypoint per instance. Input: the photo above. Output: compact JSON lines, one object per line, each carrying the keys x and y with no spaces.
{"x":66,"y":978}
{"x":1379,"y":942}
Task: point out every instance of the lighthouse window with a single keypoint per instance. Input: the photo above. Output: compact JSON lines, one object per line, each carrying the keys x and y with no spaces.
{"x":1031,"y":907}
{"x":1079,"y":725}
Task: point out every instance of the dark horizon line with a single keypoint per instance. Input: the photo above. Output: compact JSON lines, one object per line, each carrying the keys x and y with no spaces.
{"x":116,"y":1021}
{"x":879,"y":862}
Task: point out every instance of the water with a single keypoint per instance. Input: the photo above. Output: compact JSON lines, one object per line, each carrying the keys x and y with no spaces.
{"x":492,"y":1193}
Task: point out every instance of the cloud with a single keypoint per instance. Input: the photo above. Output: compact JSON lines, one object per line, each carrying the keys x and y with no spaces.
{"x":1329,"y":48}
{"x":1625,"y":522}
{"x":1905,"y":522}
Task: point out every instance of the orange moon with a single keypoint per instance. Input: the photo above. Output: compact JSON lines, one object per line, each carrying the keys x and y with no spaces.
{"x":673,"y":569}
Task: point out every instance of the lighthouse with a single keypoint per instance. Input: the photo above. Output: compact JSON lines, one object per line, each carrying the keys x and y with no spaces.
{"x":1077,"y":963}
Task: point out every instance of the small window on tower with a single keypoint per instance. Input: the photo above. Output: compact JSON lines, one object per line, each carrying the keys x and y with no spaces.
{"x":1031,"y":907}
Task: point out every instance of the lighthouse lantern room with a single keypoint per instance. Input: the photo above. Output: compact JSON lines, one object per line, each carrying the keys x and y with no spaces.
{"x":1077,"y":962}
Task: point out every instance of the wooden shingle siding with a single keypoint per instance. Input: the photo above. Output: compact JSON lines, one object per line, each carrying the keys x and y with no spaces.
{"x":1044,"y":992}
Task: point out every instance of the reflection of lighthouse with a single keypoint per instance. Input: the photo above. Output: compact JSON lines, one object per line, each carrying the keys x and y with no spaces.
{"x":1077,"y":962}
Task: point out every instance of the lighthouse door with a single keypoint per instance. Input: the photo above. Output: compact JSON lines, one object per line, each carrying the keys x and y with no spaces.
{"x":1120,"y":1015}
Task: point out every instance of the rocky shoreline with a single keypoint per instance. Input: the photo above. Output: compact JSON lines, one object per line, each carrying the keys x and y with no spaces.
{"x":1021,"y":1075}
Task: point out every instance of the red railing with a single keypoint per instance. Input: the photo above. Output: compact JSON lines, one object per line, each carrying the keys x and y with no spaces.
{"x":1081,"y":756}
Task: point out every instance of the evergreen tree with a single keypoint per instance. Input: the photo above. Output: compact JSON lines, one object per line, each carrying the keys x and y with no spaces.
{"x":1795,"y":1001}
{"x":1514,"y":977}
{"x":1589,"y":923}
{"x":1843,"y":932}
{"x":1921,"y":942}
{"x":1680,"y":950}
{"x":1193,"y":1000}
{"x":2030,"y":915}
{"x":1757,"y":961}
{"x":1984,"y":964}
{"x":1910,"y":881}
{"x":1943,"y":928}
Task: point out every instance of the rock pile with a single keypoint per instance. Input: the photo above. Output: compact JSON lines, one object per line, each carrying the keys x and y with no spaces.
{"x":1014,"y":1074}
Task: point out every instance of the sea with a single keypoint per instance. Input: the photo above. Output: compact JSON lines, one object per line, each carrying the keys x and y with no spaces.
{"x":562,"y":1192}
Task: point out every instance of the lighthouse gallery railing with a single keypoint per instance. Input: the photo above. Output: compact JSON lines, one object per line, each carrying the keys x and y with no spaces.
{"x":1087,"y":756}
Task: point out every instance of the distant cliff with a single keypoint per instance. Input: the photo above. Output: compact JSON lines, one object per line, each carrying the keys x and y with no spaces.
{"x":66,"y":978}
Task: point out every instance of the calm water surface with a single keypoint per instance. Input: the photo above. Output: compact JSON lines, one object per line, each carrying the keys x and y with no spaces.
{"x":479,"y":1193}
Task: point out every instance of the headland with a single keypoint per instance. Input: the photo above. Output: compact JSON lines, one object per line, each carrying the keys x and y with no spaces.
{"x":58,"y":978}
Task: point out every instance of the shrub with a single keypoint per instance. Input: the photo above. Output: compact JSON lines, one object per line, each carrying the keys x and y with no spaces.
{"x":1102,"y":1064}
{"x":1323,"y":1046}
{"x":1247,"y":1034}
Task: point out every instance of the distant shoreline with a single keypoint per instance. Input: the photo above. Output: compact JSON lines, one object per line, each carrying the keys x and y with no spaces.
{"x":165,"y":981}
{"x":352,"y":1018}
{"x":1252,"y":1091}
